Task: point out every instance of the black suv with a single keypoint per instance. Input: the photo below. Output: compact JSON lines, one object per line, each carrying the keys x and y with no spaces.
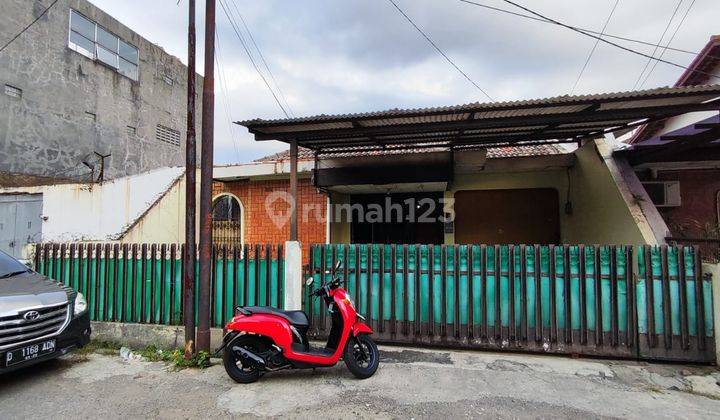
{"x":40,"y":319}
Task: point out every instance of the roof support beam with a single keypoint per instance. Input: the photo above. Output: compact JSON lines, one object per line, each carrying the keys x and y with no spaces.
{"x":705,"y":126}
{"x":658,"y":153}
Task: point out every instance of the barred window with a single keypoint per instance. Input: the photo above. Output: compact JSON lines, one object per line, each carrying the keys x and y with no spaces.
{"x":168,"y":135}
{"x":97,"y":43}
{"x":226,"y":209}
{"x":227,"y":221}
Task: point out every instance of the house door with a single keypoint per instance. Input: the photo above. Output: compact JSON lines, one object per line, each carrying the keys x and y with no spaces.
{"x":20,"y":222}
{"x":530,"y":216}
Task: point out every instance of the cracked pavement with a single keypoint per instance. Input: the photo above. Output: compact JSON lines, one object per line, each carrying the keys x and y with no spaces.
{"x":411,"y":383}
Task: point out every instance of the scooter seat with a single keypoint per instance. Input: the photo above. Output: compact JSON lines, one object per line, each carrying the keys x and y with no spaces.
{"x":297,"y":318}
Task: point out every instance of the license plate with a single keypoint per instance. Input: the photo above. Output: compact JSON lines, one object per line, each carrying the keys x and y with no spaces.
{"x":30,"y":352}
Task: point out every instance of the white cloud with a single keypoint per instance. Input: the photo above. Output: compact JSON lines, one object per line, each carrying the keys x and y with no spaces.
{"x":338,"y":56}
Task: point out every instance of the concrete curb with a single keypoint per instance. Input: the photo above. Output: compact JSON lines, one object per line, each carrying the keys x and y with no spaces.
{"x":143,"y":335}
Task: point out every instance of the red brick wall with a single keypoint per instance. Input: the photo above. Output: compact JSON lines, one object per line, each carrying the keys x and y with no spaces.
{"x":698,"y":195}
{"x":698,"y":192}
{"x":259,"y":227}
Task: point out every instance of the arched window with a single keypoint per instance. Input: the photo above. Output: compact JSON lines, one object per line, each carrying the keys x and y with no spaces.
{"x":227,"y":214}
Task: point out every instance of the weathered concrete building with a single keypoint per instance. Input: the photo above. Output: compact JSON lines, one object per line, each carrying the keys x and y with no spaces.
{"x":79,"y":85}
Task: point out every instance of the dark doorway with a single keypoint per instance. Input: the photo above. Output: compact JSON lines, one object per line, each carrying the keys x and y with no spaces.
{"x":530,"y":216}
{"x":405,"y":219}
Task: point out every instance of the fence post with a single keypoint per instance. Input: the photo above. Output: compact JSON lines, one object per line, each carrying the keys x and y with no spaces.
{"x":714,"y":271}
{"x":293,"y":276}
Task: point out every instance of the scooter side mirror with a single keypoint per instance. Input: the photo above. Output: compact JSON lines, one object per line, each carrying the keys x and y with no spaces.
{"x":309,"y":281}
{"x":337,"y":266}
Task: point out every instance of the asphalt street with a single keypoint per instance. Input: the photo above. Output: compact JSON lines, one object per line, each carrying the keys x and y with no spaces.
{"x":411,"y":383}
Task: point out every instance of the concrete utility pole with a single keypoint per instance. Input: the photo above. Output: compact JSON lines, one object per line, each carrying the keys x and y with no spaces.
{"x":190,"y":169}
{"x":206,"y":173}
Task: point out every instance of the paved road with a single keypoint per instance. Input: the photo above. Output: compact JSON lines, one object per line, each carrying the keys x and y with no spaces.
{"x":411,"y":383}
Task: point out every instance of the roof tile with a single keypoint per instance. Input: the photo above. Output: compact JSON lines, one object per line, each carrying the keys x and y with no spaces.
{"x":493,"y":152}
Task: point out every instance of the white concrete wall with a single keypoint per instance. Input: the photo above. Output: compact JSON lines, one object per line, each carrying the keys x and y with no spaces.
{"x":293,"y":276}
{"x":100,"y":212}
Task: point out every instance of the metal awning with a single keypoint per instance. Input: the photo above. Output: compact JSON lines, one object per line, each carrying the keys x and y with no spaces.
{"x":562,"y":119}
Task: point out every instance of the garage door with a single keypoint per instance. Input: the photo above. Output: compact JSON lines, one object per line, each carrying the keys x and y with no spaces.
{"x":20,"y":222}
{"x":517,"y":216}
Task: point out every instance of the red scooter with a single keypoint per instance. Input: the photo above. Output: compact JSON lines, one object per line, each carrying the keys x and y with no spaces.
{"x":264,"y":339}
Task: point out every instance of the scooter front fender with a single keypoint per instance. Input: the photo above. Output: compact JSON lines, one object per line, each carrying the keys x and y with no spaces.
{"x":360,"y":328}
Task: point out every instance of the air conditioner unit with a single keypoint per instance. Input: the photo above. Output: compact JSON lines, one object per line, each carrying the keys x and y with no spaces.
{"x":663,"y":193}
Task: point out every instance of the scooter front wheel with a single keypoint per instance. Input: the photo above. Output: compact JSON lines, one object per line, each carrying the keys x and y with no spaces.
{"x":239,"y":372}
{"x":361,"y":357}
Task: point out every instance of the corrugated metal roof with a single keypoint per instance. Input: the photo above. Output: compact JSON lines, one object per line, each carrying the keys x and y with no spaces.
{"x":477,"y":106}
{"x":536,"y":121}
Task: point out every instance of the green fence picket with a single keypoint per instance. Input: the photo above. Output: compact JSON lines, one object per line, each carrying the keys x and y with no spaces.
{"x":143,"y":283}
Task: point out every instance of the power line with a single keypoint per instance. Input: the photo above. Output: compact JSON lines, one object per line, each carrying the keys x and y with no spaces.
{"x":592,"y":51}
{"x":665,"y":48}
{"x":590,"y":31}
{"x":262,"y":58}
{"x":439,"y":50}
{"x":28,"y":27}
{"x":252,"y":60}
{"x":647,"y":63}
{"x":226,"y":101}
{"x":630,"y":50}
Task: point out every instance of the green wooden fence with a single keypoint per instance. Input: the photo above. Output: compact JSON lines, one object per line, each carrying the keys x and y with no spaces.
{"x":593,"y":300}
{"x":142,"y":283}
{"x":564,"y":299}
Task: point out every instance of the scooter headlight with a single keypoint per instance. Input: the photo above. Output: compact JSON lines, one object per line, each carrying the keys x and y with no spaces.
{"x":80,"y":304}
{"x":349,"y":301}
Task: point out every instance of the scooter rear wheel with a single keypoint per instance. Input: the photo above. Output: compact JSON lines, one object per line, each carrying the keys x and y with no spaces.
{"x":235,"y":367}
{"x":361,"y":357}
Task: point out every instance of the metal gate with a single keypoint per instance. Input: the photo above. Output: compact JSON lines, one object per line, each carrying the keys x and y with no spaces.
{"x":20,"y":222}
{"x":551,"y":299}
{"x":675,"y":315}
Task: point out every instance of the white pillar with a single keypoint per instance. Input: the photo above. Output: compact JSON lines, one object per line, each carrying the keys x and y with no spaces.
{"x":293,"y":276}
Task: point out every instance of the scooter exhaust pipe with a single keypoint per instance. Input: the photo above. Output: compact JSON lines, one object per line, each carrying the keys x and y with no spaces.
{"x":246,"y":356}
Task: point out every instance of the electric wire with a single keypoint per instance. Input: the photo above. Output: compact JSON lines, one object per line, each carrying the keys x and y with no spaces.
{"x":262,"y":58}
{"x":630,"y":50}
{"x":233,"y":23}
{"x":592,"y":51}
{"x":224,"y":89}
{"x":665,"y":48}
{"x":647,"y":63}
{"x":440,"y":51}
{"x":590,"y":31}
{"x":28,"y":26}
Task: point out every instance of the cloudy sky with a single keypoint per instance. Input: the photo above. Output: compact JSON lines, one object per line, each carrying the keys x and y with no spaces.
{"x":339,"y":56}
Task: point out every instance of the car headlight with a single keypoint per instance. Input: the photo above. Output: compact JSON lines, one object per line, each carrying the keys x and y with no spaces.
{"x":80,"y":304}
